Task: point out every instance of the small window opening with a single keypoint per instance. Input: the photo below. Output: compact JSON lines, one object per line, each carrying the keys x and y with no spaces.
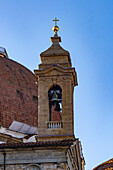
{"x":55,"y":103}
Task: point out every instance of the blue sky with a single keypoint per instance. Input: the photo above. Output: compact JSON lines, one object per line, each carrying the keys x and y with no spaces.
{"x":86,"y":29}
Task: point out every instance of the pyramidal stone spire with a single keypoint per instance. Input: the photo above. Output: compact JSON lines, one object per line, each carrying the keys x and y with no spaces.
{"x":55,"y":54}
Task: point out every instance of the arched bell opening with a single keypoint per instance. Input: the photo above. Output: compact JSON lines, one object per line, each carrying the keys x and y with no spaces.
{"x":55,"y":103}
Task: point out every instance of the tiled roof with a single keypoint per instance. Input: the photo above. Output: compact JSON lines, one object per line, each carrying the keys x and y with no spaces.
{"x":67,"y":142}
{"x":105,"y":165}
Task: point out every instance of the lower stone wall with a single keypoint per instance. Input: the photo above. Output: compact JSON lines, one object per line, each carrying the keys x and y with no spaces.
{"x":13,"y":167}
{"x":44,"y":166}
{"x":60,"y":166}
{"x":41,"y":158}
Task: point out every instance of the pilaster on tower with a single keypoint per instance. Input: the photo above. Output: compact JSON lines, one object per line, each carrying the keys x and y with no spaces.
{"x":56,"y":81}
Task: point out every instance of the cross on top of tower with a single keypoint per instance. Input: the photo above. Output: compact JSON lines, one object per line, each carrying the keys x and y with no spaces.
{"x":55,"y":28}
{"x":56,"y":21}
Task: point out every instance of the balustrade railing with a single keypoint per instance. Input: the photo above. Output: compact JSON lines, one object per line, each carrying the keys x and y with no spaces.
{"x":54,"y":125}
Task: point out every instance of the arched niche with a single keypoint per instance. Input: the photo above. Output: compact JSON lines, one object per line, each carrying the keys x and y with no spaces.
{"x":32,"y":167}
{"x":55,"y":103}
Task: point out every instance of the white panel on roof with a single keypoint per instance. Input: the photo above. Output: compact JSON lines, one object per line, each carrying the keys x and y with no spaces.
{"x":23,"y":128}
{"x":33,"y":129}
{"x":16,"y":126}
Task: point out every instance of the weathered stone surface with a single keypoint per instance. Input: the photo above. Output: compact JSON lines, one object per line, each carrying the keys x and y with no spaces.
{"x":53,"y":158}
{"x":44,"y":166}
{"x":46,"y":79}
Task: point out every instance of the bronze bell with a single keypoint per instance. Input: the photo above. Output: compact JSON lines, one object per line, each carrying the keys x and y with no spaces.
{"x":57,"y":108}
{"x":56,"y":101}
{"x":54,"y":98}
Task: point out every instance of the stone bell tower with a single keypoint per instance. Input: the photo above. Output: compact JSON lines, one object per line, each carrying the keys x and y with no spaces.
{"x":56,"y":81}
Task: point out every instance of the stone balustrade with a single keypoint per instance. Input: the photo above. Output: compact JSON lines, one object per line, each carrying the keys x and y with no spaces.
{"x":54,"y":124}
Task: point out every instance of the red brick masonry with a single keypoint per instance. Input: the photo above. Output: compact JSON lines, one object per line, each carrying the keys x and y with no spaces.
{"x":56,"y":116}
{"x":18,"y":94}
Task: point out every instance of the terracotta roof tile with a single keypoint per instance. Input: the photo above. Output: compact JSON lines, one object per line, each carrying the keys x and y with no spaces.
{"x":39,"y":144}
{"x":104,"y":165}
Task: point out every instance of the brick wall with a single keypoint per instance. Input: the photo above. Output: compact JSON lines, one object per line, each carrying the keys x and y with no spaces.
{"x":18,"y":94}
{"x":56,"y":116}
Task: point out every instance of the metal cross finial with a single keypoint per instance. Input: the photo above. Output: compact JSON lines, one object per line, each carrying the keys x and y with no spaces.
{"x":56,"y":21}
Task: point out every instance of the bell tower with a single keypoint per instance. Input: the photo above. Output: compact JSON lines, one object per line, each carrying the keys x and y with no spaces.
{"x":56,"y":80}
